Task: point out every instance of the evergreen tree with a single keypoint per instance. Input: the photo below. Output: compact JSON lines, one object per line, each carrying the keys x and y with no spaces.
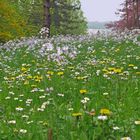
{"x":68,"y":17}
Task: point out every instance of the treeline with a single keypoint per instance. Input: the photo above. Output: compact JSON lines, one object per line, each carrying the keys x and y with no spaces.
{"x":25,"y":18}
{"x":129,"y":16}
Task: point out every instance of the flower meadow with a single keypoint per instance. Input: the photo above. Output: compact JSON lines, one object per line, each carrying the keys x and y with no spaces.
{"x":72,"y":87}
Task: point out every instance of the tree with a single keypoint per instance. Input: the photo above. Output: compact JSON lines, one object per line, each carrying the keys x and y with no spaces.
{"x":26,"y":17}
{"x":47,"y":16}
{"x":67,"y":17}
{"x":12,"y":25}
{"x":129,"y":16}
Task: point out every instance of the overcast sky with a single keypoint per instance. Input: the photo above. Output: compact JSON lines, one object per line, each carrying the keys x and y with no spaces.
{"x":100,"y":10}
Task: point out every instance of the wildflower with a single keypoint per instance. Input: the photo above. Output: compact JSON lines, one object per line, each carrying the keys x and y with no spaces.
{"x":83,"y":91}
{"x":116,"y":128}
{"x":38,"y":78}
{"x":60,"y":73}
{"x":77,"y":114}
{"x":131,"y":65}
{"x":25,"y":116}
{"x":138,"y":73}
{"x":12,"y":122}
{"x":117,"y":70}
{"x":11,"y":93}
{"x":80,"y":78}
{"x":70,"y":109}
{"x":7,"y":98}
{"x":98,"y":72}
{"x":50,"y":72}
{"x":111,"y":69}
{"x":135,"y":68}
{"x":61,"y":95}
{"x":45,"y":123}
{"x":29,"y":122}
{"x":21,"y":95}
{"x":105,"y":93}
{"x":23,"y":69}
{"x":85,"y":100}
{"x":103,"y":118}
{"x":29,"y":101}
{"x":137,"y":122}
{"x":16,"y":99}
{"x":105,"y":112}
{"x":40,"y":109}
{"x":126,"y":138}
{"x":19,"y":109}
{"x":23,"y":131}
{"x":42,"y":97}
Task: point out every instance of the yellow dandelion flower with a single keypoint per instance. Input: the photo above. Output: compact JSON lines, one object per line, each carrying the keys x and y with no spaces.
{"x":45,"y":123}
{"x":50,"y":72}
{"x":80,"y":78}
{"x":111,"y":69}
{"x":104,"y":70}
{"x":38,"y":78}
{"x":138,"y":73}
{"x":60,"y":73}
{"x":77,"y":114}
{"x":105,"y":112}
{"x":117,"y":70}
{"x":83,"y":91}
{"x":23,"y":69}
{"x":131,"y":65}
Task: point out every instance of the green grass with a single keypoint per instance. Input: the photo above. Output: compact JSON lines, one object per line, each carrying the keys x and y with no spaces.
{"x":107,"y":70}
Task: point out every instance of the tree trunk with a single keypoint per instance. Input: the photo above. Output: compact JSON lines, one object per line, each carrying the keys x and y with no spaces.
{"x":47,"y":16}
{"x":137,"y":14}
{"x":127,"y":16}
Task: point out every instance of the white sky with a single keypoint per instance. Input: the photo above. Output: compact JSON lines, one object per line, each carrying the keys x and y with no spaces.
{"x":100,"y":10}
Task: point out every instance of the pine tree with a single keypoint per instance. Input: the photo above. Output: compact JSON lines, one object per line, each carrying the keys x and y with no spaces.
{"x":68,"y":17}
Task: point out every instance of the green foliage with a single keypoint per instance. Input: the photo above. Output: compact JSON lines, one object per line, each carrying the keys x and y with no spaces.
{"x":111,"y":79}
{"x":67,"y":17}
{"x":12,"y":24}
{"x":25,"y":18}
